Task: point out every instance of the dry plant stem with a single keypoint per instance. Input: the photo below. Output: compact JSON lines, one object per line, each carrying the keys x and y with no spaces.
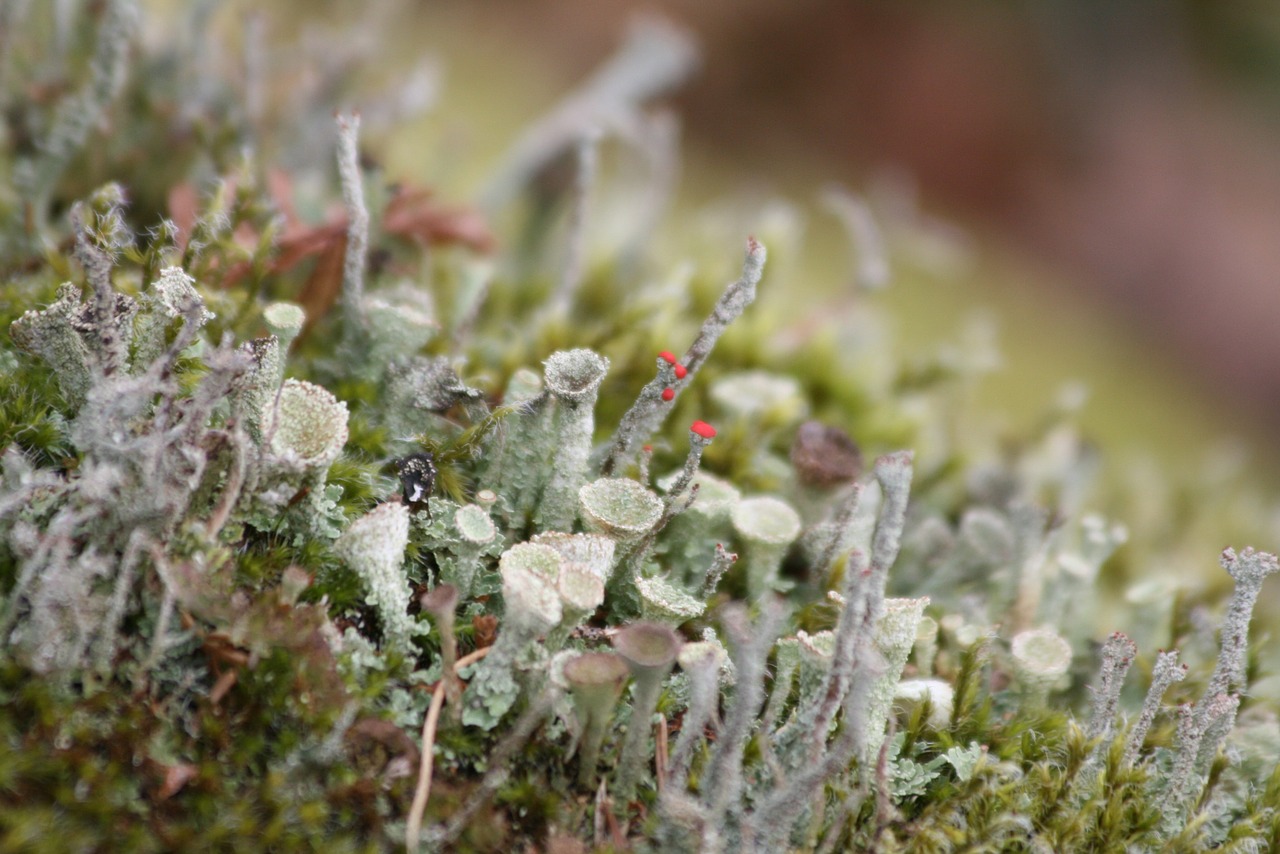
{"x":413,"y":829}
{"x":499,"y":769}
{"x":440,"y":603}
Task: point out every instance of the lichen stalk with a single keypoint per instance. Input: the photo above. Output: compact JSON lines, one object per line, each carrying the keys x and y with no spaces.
{"x":651,"y":409}
{"x":573,"y":379}
{"x":587,"y":157}
{"x":751,"y":645}
{"x":655,"y":57}
{"x":595,"y":681}
{"x":895,"y":635}
{"x":1164,"y":673}
{"x":533,"y":607}
{"x":77,"y":116}
{"x":1249,"y":569}
{"x":850,"y":634}
{"x":1117,"y":656}
{"x":721,"y":562}
{"x":357,"y":249}
{"x":767,"y":527}
{"x":1040,"y":659}
{"x":650,"y":650}
{"x":374,"y":546}
{"x":702,"y":662}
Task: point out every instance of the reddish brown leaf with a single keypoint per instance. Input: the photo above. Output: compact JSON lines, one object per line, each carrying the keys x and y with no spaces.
{"x":324,"y":285}
{"x":486,"y":626}
{"x":412,"y":214}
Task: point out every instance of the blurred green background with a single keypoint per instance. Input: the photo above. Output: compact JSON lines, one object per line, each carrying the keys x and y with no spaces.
{"x":1113,"y":168}
{"x":1098,"y":183}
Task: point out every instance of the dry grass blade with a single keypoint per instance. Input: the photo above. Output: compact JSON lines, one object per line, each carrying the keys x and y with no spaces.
{"x":413,"y":829}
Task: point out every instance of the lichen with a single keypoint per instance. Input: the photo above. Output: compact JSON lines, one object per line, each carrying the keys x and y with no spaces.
{"x":282,"y":543}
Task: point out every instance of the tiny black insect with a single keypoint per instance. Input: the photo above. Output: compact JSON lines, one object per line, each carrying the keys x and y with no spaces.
{"x":417,"y":478}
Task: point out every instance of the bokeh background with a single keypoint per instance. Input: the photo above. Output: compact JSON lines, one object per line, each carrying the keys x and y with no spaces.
{"x":1114,"y":169}
{"x":1099,"y":181}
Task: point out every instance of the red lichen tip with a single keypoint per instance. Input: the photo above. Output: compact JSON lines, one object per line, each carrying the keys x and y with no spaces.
{"x":681,"y":371}
{"x":703,"y":429}
{"x":648,"y":449}
{"x":668,"y":394}
{"x":668,"y":357}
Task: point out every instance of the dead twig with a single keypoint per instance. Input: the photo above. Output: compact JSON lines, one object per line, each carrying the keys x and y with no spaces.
{"x":413,"y":829}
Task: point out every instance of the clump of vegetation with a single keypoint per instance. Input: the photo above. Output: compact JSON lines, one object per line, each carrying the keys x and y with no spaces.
{"x":298,"y":550}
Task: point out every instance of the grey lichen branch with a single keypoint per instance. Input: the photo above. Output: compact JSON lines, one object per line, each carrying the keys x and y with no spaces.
{"x":721,"y":562}
{"x":867,"y":241}
{"x":732,"y":303}
{"x":588,"y":161}
{"x":106,"y":320}
{"x":357,"y":227}
{"x":701,"y":661}
{"x":77,"y":116}
{"x":656,"y":57}
{"x":658,"y":398}
{"x":1249,"y":569}
{"x":1117,"y":656}
{"x":722,"y":793}
{"x":1166,"y":672}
